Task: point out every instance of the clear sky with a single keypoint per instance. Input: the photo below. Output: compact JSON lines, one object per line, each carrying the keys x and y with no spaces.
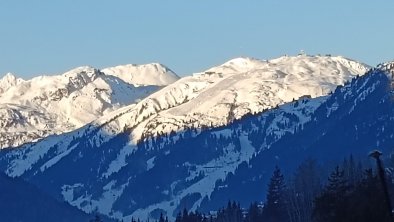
{"x":52,"y":36}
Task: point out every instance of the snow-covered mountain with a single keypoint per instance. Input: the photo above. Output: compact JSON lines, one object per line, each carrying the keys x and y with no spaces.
{"x":227,"y":92}
{"x":176,"y":147}
{"x":387,"y":67}
{"x":147,"y":74}
{"x":48,"y":105}
{"x":9,"y":80}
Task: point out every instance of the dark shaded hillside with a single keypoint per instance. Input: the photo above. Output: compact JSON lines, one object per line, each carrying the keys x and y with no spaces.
{"x":20,"y":201}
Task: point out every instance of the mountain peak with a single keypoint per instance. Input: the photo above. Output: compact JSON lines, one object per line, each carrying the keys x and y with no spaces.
{"x":8,"y":81}
{"x":309,"y":61}
{"x":9,"y":77}
{"x":238,"y":65}
{"x":146,"y":74}
{"x":387,"y":66}
{"x":88,"y":70}
{"x":290,"y":64}
{"x":244,"y":61}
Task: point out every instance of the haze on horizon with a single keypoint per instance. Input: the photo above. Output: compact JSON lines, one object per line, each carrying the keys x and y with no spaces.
{"x":52,"y":37}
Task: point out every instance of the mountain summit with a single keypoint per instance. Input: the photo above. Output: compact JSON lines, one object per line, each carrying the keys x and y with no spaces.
{"x":8,"y":81}
{"x":148,"y":74}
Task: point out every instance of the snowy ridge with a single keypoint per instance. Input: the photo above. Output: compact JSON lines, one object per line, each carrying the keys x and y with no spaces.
{"x":227,"y":92}
{"x":388,"y":67}
{"x":47,"y":105}
{"x":148,"y":74}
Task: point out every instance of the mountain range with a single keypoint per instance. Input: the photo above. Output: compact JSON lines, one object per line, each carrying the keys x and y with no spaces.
{"x":197,"y":141}
{"x":47,"y":105}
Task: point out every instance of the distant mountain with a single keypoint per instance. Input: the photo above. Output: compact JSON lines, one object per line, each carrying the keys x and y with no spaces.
{"x":148,"y":74}
{"x":8,"y":81}
{"x":227,"y":92}
{"x":181,"y":146}
{"x":46,"y":105}
{"x":20,"y":201}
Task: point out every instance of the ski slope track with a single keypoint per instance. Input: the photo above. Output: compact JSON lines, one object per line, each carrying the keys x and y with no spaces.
{"x":47,"y":105}
{"x":177,"y":147}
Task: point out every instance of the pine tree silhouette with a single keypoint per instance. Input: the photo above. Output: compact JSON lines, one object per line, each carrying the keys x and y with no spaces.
{"x":275,"y":209}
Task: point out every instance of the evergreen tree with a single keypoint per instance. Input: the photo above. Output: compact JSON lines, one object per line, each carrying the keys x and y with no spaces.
{"x":97,"y":218}
{"x":353,"y":173}
{"x":367,"y":200}
{"x":178,"y":217}
{"x":363,"y":202}
{"x":275,"y":208}
{"x":161,"y":219}
{"x":332,"y":203}
{"x":185,"y":215}
{"x":254,"y":213}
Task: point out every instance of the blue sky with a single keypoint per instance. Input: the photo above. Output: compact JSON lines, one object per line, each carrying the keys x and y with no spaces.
{"x":52,"y":36}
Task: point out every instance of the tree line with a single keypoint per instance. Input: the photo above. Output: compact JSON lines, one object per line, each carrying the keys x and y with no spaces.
{"x":350,"y":193}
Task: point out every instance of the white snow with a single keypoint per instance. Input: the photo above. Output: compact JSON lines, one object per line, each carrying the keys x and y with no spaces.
{"x":9,"y":80}
{"x":29,"y":156}
{"x":68,"y":191}
{"x":303,"y":112}
{"x":148,"y":74}
{"x":46,"y":105}
{"x":102,"y":205}
{"x":227,"y":92}
{"x":120,"y":160}
{"x":110,"y":195}
{"x":150,"y":163}
{"x":56,"y":159}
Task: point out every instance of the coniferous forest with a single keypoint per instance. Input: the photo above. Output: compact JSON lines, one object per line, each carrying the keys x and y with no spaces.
{"x":352,"y":191}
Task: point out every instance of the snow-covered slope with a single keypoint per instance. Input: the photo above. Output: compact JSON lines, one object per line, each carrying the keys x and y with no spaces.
{"x":109,"y":171}
{"x":147,"y":74}
{"x":48,"y":105}
{"x":227,"y":92}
